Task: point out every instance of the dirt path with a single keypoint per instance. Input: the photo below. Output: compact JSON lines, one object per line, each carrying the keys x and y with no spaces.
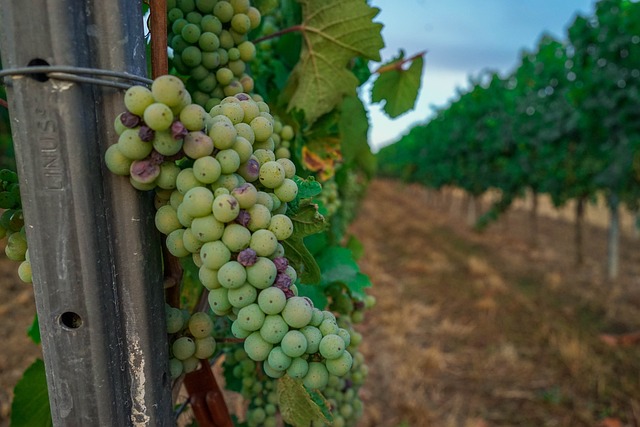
{"x":470,"y":330}
{"x":481,"y":330}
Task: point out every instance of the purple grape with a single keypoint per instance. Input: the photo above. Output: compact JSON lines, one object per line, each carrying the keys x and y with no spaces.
{"x":178,"y":131}
{"x":243,"y":97}
{"x":247,"y":257}
{"x":130,"y":120}
{"x":144,"y":171}
{"x":243,"y":218}
{"x":283,"y":281}
{"x":146,"y":133}
{"x":281,"y":264}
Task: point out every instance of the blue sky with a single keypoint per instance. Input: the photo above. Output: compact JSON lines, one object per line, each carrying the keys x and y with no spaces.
{"x":462,"y":37}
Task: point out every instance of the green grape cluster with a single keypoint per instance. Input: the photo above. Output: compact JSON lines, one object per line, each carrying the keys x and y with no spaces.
{"x":328,"y":200}
{"x":283,"y":136}
{"x":191,"y":339}
{"x":209,"y":39}
{"x":12,"y":224}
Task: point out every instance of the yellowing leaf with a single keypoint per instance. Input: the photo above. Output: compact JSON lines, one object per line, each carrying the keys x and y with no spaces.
{"x":334,"y":32}
{"x":296,"y":405}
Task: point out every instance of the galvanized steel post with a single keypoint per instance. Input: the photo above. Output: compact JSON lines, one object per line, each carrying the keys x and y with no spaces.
{"x":92,"y":242}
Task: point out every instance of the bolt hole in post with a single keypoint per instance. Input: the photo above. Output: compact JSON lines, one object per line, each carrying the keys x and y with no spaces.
{"x":41,"y":77}
{"x":70,"y":320}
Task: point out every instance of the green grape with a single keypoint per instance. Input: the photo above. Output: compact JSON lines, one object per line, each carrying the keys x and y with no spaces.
{"x":243,"y":295}
{"x":254,"y":17}
{"x":262,"y":274}
{"x":294,"y":343}
{"x":174,"y":319}
{"x":243,"y":129}
{"x":197,"y":202}
{"x":287,"y":191}
{"x":313,"y":336}
{"x":278,"y":360}
{"x":205,"y":348}
{"x":165,"y":144}
{"x":232,"y":275}
{"x":223,"y":133}
{"x":207,"y":169}
{"x":246,"y":195}
{"x":205,"y":6}
{"x":264,"y":156}
{"x":269,"y":145}
{"x":272,"y":174}
{"x":175,"y":244}
{"x":234,"y":55}
{"x":256,"y":347}
{"x":289,"y":167}
{"x":264,"y":242}
{"x":228,"y":181}
{"x":247,"y":51}
{"x":24,"y":272}
{"x":208,"y":84}
{"x":183,"y":348}
{"x":209,"y":42}
{"x":207,"y":228}
{"x":178,"y":44}
{"x":224,"y":76}
{"x":178,"y":25}
{"x":168,"y":175}
{"x":225,"y":208}
{"x":185,"y":219}
{"x":224,"y":11}
{"x":238,"y":332}
{"x":186,"y":5}
{"x":236,"y":237}
{"x":190,"y":33}
{"x":175,"y":368}
{"x":158,"y":116}
{"x":208,"y":277}
{"x":262,"y":127}
{"x":332,"y":346}
{"x":233,"y":110}
{"x":118,"y":126}
{"x":250,"y":317}
{"x":219,"y":300}
{"x":192,"y":117}
{"x":341,"y":365}
{"x":190,"y":364}
{"x":247,"y":83}
{"x":272,"y":300}
{"x":237,"y":67}
{"x":220,"y":191}
{"x":191,"y":56}
{"x":166,"y":219}
{"x":281,"y":226}
{"x":215,"y":254}
{"x":117,"y":162}
{"x":298,"y":368}
{"x":211,"y":23}
{"x":274,"y":328}
{"x":243,"y":148}
{"x":211,"y":61}
{"x":229,"y":160}
{"x":328,"y":326}
{"x":317,"y":376}
{"x":345,"y":335}
{"x":174,"y":14}
{"x":142,"y":186}
{"x":200,"y":325}
{"x":168,"y":90}
{"x":272,"y":373}
{"x":191,"y":243}
{"x":197,"y":144}
{"x":137,"y":99}
{"x":176,"y":199}
{"x":240,"y":6}
{"x":298,"y":312}
{"x":132,"y":147}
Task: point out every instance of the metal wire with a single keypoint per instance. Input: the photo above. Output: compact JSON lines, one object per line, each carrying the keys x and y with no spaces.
{"x":70,"y":73}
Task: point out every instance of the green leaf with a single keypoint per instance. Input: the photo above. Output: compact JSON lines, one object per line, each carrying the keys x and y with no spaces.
{"x":354,"y":128}
{"x":337,"y":265}
{"x":297,"y":406}
{"x":307,"y":188}
{"x":356,"y":247}
{"x":191,"y":287}
{"x":314,"y":293}
{"x":30,"y":405}
{"x":398,"y":87}
{"x":306,"y":221}
{"x":7,"y":200}
{"x":33,"y":331}
{"x":334,"y":32}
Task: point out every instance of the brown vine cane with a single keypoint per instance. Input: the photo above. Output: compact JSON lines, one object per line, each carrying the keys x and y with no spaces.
{"x":206,"y":399}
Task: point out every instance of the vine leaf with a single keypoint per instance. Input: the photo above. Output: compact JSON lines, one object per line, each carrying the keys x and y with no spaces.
{"x":30,"y":405}
{"x":306,"y":221}
{"x":398,"y":86}
{"x":334,"y":32}
{"x":297,"y":406}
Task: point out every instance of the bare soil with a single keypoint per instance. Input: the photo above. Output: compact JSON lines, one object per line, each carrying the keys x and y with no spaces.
{"x":470,"y":329}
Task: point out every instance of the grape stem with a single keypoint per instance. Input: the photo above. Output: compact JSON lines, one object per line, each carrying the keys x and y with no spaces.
{"x":157,"y":28}
{"x":397,"y":65}
{"x":279,"y":33}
